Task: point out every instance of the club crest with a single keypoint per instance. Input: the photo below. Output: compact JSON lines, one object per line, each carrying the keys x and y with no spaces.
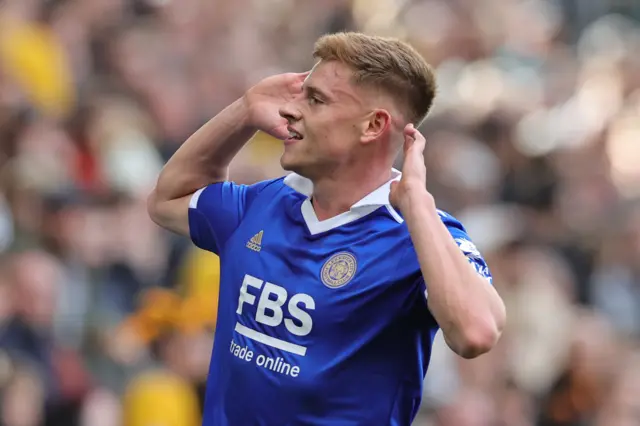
{"x":339,"y":270}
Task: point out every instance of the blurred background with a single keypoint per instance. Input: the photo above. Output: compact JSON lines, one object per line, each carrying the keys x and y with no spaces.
{"x":534,"y":143}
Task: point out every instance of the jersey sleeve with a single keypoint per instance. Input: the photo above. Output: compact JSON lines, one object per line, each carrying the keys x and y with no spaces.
{"x":466,"y":245}
{"x":216,"y":211}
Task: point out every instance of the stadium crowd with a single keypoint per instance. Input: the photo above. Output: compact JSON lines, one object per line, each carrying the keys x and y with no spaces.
{"x":534,"y":144}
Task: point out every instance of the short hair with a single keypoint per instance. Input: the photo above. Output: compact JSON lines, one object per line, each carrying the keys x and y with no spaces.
{"x":386,"y":63}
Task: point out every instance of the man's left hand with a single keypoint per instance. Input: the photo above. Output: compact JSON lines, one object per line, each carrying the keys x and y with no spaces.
{"x":413,"y":183}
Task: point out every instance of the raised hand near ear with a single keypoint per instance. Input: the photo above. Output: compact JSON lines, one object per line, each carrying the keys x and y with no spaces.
{"x":414,"y":171}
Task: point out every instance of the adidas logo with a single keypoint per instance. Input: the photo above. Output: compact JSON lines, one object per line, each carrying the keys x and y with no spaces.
{"x":255,"y":243}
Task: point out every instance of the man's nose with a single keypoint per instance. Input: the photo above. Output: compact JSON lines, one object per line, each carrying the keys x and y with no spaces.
{"x":290,"y":112}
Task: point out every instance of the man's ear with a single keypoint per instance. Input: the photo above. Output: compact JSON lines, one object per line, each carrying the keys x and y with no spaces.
{"x":378,"y":123}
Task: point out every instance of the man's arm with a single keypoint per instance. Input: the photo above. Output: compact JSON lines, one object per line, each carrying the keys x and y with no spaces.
{"x":468,"y":309}
{"x":203,"y":159}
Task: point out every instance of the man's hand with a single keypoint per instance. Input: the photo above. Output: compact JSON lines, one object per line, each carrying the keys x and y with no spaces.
{"x":414,"y":171}
{"x":467,"y":308}
{"x":205,"y":157}
{"x":263,"y":102}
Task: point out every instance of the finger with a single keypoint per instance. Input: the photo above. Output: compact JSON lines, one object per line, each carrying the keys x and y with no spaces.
{"x":393,"y":194}
{"x":418,"y":141}
{"x":298,"y":81}
{"x":303,"y":75}
{"x":409,"y":130}
{"x":406,"y":146}
{"x":409,"y":138}
{"x":421,"y":142}
{"x":281,"y":131}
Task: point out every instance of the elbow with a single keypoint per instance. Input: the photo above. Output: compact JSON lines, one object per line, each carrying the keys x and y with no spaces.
{"x":478,"y":343}
{"x":480,"y":338}
{"x":153,"y":209}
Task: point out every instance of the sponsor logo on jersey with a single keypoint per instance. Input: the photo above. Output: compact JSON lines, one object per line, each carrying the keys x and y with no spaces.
{"x":274,"y":306}
{"x":339,"y":270}
{"x":255,"y":243}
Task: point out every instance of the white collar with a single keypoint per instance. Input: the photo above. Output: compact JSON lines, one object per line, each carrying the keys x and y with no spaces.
{"x":378,"y":198}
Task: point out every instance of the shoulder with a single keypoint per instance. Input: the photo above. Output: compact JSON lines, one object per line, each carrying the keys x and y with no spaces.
{"x":460,"y":235}
{"x":450,"y":221}
{"x":228,"y":191}
{"x":287,"y":184}
{"x":458,"y":232}
{"x":275,"y":183}
{"x":270,"y":186}
{"x":455,"y":227}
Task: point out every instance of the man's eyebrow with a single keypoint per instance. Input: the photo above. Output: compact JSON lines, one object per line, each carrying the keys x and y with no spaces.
{"x":312,"y":90}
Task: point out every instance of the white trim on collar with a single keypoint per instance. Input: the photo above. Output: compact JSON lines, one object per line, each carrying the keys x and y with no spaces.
{"x":299,"y":183}
{"x":380,"y":197}
{"x":373,"y":200}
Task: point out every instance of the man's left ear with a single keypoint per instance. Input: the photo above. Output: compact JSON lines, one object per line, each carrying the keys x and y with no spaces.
{"x":379,"y":122}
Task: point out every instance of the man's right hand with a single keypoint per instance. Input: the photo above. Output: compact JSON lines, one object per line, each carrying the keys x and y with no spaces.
{"x":264,"y":100}
{"x":204,"y":158}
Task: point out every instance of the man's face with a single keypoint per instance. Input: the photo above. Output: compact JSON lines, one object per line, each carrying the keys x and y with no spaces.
{"x":328,"y":118}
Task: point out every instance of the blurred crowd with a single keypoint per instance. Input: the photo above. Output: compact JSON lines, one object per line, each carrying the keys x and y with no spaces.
{"x":534,"y":143}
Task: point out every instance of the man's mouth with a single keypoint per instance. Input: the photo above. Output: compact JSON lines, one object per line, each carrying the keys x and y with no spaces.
{"x":293,"y":134}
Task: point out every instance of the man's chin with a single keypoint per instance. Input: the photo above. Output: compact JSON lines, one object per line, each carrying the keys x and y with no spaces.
{"x":290,"y":164}
{"x":287,"y":163}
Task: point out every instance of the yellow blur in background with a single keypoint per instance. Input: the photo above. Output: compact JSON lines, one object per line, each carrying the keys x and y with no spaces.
{"x":160,"y":399}
{"x":35,"y":60}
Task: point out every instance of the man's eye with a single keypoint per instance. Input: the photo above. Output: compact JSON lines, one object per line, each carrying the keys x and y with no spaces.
{"x":314,"y":101}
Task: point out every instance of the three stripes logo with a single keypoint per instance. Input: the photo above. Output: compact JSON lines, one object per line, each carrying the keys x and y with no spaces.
{"x":255,"y":243}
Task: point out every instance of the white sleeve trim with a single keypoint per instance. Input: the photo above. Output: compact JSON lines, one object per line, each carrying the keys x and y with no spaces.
{"x":193,"y":203}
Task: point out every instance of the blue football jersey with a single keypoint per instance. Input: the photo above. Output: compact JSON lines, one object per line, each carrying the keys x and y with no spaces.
{"x":319,"y":322}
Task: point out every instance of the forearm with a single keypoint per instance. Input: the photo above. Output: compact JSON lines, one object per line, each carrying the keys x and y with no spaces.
{"x":205,"y":157}
{"x":465,"y":305}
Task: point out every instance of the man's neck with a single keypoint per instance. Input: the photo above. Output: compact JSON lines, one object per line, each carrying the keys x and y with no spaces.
{"x":336,"y":194}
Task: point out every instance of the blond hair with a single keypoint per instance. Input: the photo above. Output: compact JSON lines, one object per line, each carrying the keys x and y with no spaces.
{"x":385,"y":63}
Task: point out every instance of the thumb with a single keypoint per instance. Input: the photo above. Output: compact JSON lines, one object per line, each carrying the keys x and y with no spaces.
{"x":280,"y":131}
{"x":303,"y":75}
{"x":393,"y":193}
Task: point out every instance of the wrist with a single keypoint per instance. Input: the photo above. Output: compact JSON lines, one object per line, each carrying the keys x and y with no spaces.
{"x":417,"y":203}
{"x":242,"y":108}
